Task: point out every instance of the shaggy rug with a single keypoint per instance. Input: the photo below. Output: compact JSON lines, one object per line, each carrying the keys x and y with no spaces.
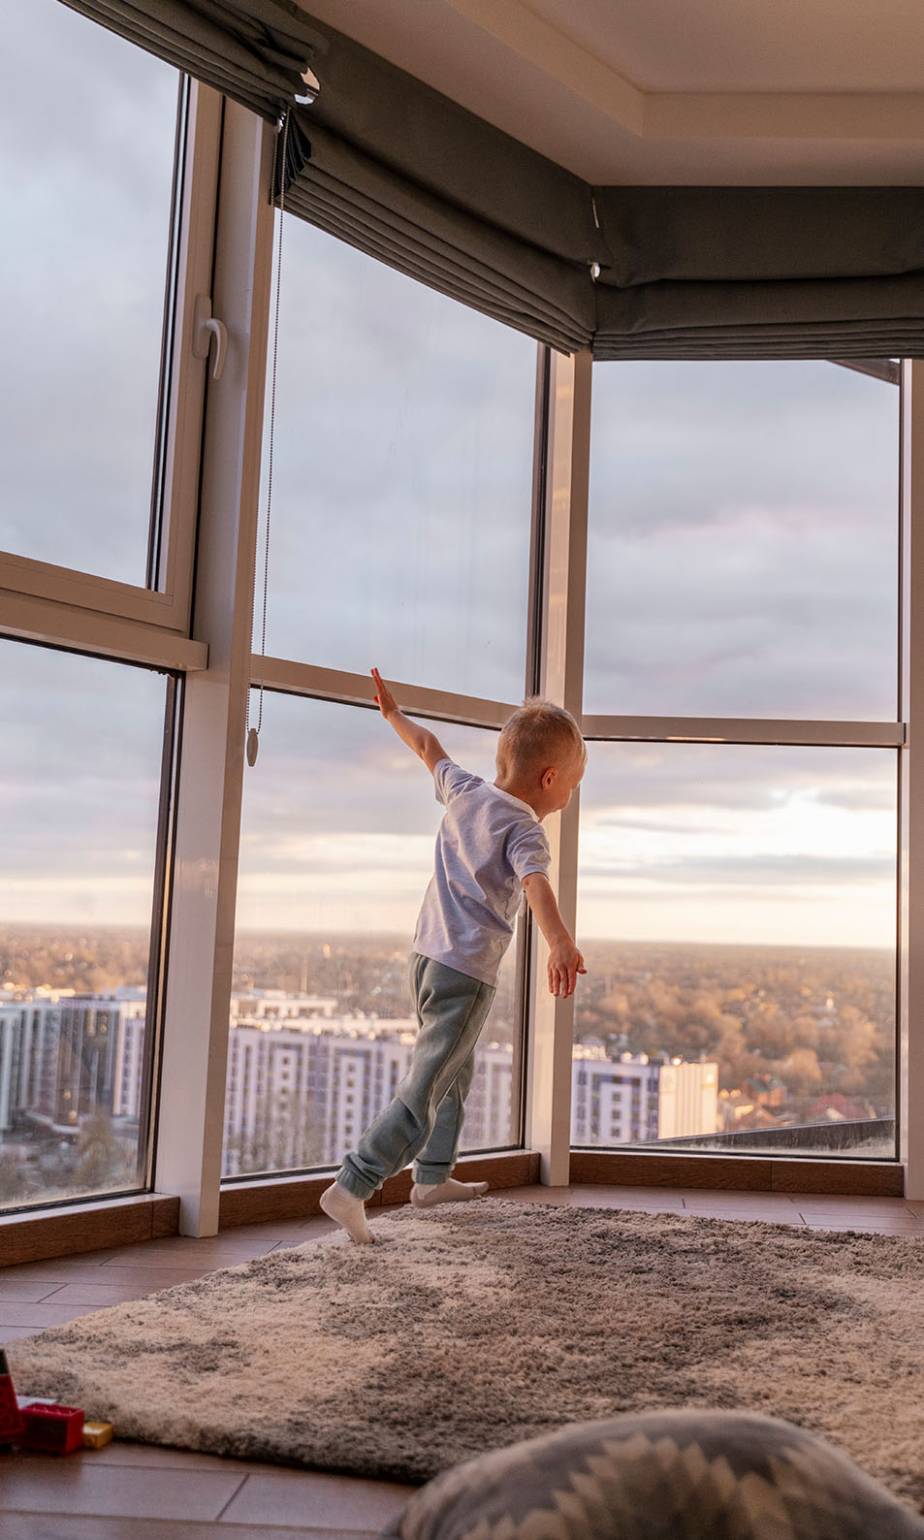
{"x":470,"y":1327}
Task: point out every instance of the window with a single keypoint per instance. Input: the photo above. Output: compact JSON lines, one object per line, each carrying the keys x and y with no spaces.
{"x":337,"y":839}
{"x":736,"y":908}
{"x":90,"y":175}
{"x":77,"y":893}
{"x":738,"y":901}
{"x":402,"y":478}
{"x":743,"y":541}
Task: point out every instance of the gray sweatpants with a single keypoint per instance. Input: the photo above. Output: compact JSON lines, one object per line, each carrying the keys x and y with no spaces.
{"x":424,"y":1121}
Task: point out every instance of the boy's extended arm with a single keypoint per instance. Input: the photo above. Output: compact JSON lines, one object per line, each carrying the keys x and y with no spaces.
{"x":565,"y":961}
{"x":424,"y":743}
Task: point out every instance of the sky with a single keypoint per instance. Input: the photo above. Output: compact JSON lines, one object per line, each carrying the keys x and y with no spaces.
{"x":742,"y":561}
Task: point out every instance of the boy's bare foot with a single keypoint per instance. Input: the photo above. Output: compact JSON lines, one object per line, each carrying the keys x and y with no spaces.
{"x":347,"y":1211}
{"x":451,"y":1191}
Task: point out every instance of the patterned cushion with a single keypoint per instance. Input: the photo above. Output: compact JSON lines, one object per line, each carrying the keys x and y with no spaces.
{"x":672,"y":1475}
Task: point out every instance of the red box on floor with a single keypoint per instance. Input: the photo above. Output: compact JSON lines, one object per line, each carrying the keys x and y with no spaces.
{"x":52,"y":1429}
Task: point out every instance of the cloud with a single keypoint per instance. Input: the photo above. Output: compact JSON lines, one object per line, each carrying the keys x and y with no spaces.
{"x":742,"y":530}
{"x":752,"y":871}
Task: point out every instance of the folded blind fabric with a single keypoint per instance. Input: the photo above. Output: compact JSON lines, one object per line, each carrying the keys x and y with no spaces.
{"x":390,"y":165}
{"x":761,"y":272}
{"x":395,"y":168}
{"x":355,"y":197}
{"x":254,"y":51}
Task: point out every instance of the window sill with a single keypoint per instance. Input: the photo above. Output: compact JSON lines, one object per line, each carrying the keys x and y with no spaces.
{"x":66,"y":1231}
{"x":83,"y":1227}
{"x":744,"y":1173}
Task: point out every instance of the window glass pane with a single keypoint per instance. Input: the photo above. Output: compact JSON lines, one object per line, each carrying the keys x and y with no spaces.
{"x":743,"y":541}
{"x":337,"y":837}
{"x":79,"y":798}
{"x":89,"y":174}
{"x":737,"y":909}
{"x":402,"y":477}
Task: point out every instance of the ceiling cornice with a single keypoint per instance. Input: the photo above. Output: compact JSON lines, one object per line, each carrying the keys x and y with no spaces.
{"x":640,"y":114}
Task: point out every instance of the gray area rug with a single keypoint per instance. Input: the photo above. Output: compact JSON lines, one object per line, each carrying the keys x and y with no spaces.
{"x":470,"y":1327}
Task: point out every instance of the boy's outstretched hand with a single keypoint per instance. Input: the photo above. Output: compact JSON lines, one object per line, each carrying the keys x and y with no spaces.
{"x":565,"y":963}
{"x":384,"y":699}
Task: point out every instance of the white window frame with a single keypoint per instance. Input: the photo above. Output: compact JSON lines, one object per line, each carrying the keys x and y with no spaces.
{"x":552,"y":1029}
{"x":168,"y":607}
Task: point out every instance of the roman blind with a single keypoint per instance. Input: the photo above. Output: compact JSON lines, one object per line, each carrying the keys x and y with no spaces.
{"x":386,"y":163}
{"x":758,"y":272}
{"x":255,"y":51}
{"x":390,"y":165}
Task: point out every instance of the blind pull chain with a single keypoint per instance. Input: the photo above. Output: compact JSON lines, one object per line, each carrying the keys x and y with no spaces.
{"x":253,"y":733}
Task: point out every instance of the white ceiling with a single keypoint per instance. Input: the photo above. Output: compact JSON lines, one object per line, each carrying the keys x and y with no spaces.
{"x":695,"y":91}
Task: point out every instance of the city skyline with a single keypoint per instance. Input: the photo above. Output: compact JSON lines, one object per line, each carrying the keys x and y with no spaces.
{"x":695,"y":1043}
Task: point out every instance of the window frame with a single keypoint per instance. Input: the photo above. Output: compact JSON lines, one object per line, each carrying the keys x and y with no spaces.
{"x":177,"y":429}
{"x":634,"y":728}
{"x":157,"y":950}
{"x":289,"y":676}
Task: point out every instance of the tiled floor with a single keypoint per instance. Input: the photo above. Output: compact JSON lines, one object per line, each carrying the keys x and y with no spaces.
{"x":139,"y":1492}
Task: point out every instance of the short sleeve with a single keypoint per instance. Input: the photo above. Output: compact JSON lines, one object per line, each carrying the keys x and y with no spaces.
{"x":449,"y":780}
{"x":528,"y":850}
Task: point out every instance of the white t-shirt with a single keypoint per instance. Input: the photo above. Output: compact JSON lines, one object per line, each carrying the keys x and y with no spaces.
{"x":487,"y":843}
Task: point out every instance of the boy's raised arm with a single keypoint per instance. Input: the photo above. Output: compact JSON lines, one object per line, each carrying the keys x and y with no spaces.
{"x":425,"y":744}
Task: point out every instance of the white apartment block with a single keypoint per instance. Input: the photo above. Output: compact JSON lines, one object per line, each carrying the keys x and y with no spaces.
{"x":301,"y":1093}
{"x":277,"y":1005}
{"x":634,"y":1099}
{"x":63,"y":1056}
{"x":128,"y":1070}
{"x":688,"y":1099}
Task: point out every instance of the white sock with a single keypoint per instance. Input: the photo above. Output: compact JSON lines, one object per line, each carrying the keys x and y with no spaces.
{"x":428,"y":1195}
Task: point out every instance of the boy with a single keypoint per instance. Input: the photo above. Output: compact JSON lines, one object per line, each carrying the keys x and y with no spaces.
{"x":491,"y":848}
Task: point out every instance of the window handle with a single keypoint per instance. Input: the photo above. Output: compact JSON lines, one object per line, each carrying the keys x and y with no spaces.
{"x":205,"y":327}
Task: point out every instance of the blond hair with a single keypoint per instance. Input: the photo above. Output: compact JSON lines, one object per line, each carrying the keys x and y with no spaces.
{"x":536,"y":735}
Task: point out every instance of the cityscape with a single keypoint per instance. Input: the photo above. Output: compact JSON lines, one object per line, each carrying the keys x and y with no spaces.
{"x":696,"y":1043}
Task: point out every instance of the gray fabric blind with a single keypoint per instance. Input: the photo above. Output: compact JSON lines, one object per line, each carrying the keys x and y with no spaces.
{"x":395,"y":168}
{"x":400,"y":171}
{"x":254,"y":51}
{"x":761,"y":272}
{"x":354,"y":197}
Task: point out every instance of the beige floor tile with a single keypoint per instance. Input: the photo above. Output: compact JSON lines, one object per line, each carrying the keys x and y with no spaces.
{"x":37,"y":1316}
{"x":210,"y":1257}
{"x":56,"y":1526}
{"x":149,"y":1278}
{"x":891,"y":1224}
{"x":295,"y":1229}
{"x":24,"y":1291}
{"x":748,"y":1216}
{"x":90,"y":1296}
{"x":161,"y":1457}
{"x":75,"y":1486}
{"x":620,"y":1194}
{"x":317,"y":1500}
{"x":662,"y":1203}
{"x":71,"y":1259}
{"x":755,"y":1203}
{"x":534,"y":1194}
{"x":829,"y":1201}
{"x":10,"y":1334}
